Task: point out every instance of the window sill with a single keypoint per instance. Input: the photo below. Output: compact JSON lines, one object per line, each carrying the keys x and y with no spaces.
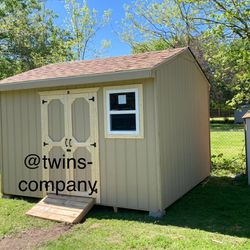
{"x":128,"y":136}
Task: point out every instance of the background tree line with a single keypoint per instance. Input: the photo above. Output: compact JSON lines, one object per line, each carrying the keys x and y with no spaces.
{"x":216,"y":30}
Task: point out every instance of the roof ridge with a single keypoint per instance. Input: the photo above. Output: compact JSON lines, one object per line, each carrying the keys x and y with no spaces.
{"x":121,"y":56}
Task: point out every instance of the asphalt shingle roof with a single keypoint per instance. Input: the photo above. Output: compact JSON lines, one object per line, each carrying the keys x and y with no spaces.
{"x":141,"y":61}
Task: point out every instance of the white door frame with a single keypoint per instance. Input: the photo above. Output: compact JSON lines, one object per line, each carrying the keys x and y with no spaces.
{"x":67,"y":97}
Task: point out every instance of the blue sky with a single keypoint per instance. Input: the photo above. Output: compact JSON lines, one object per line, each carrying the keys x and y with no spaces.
{"x":117,"y":46}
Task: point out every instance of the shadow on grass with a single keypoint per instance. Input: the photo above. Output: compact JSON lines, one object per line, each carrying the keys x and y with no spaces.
{"x":221,"y":204}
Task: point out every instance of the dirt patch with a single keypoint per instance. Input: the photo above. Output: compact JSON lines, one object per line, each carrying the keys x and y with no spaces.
{"x":30,"y":239}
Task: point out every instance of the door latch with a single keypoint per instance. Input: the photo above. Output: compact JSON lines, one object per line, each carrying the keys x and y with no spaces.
{"x":43,"y":101}
{"x":92,"y":99}
{"x":45,"y":144}
{"x":93,"y":144}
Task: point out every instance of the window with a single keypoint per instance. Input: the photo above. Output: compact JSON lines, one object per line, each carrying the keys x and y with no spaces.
{"x":122,"y":112}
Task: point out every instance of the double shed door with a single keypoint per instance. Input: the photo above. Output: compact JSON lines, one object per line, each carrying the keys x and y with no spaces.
{"x":70,"y":131}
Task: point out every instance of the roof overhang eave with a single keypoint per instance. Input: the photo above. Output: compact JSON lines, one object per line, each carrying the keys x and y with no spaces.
{"x":78,"y":80}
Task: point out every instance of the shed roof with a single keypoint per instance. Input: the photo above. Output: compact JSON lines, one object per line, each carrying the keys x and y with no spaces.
{"x":247,"y":115}
{"x":136,"y":62}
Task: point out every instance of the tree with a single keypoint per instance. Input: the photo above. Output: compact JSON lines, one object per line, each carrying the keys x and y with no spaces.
{"x":28,"y":37}
{"x":230,"y":17}
{"x":228,"y":52}
{"x":216,"y":30}
{"x":83,"y":25}
{"x":169,"y":23}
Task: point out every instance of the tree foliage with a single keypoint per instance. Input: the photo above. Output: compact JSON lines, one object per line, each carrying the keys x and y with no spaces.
{"x":216,"y":30}
{"x":28,"y":37}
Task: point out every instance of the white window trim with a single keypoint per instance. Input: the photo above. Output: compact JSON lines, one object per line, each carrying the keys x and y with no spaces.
{"x":138,"y":133}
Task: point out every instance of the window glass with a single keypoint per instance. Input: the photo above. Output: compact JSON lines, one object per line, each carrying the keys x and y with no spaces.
{"x":122,"y":101}
{"x":123,"y":122}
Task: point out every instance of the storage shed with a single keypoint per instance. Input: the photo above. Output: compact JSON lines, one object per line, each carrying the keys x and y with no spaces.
{"x":137,"y":128}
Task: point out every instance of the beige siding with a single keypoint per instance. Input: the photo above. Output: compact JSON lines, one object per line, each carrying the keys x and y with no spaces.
{"x":21,"y":130}
{"x":183,"y":111}
{"x":128,"y":167}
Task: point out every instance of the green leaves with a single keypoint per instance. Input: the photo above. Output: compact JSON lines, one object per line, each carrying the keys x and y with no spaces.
{"x":28,"y":37}
{"x":217,"y":31}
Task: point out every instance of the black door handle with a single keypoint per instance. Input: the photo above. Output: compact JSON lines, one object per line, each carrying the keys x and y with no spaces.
{"x":70,"y":140}
{"x":93,"y":144}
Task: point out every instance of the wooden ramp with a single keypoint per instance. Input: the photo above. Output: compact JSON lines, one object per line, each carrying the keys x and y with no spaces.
{"x":63,"y":208}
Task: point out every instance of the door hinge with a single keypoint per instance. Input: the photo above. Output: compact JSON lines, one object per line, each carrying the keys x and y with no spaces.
{"x":45,"y":144}
{"x":93,"y":144}
{"x":92,"y":99}
{"x":43,"y":101}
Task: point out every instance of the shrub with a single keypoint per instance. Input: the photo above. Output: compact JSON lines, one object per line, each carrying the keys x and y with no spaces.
{"x":222,"y":166}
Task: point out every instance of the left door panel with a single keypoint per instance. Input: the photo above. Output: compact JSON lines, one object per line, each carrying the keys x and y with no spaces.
{"x":54,"y":138}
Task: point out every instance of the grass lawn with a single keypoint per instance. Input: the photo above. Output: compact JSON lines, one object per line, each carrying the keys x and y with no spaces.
{"x":13,"y":219}
{"x":227,"y":139}
{"x":215,"y":215}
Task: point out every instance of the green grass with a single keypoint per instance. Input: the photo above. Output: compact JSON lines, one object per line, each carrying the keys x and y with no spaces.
{"x":227,"y":139}
{"x":13,"y":219}
{"x":215,"y":215}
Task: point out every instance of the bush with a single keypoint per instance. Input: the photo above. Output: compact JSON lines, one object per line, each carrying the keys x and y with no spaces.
{"x":222,"y":166}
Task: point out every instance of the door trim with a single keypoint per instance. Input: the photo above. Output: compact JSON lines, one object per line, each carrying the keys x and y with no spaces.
{"x":48,"y":95}
{"x":64,"y":91}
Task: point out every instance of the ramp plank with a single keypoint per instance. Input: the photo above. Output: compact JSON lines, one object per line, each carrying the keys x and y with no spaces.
{"x":63,"y":208}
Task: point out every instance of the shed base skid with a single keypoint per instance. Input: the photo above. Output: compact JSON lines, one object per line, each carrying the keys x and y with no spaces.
{"x":62,"y":208}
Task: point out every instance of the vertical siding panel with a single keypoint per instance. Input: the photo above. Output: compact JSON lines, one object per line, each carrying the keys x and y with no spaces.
{"x":142,"y":174}
{"x":103,"y":150}
{"x":111,"y":172}
{"x":141,"y":149}
{"x":121,"y":180}
{"x":26,"y":150}
{"x":11,"y":146}
{"x":38,"y":134}
{"x":17,"y":135}
{"x":150,"y":136}
{"x":131,"y":165}
{"x":6,"y":170}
